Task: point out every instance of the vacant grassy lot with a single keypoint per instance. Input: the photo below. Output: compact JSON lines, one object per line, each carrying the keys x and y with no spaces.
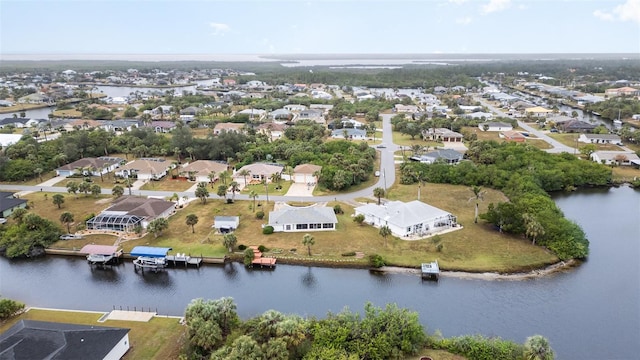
{"x":169,"y":184}
{"x":405,"y":140}
{"x":538,"y":143}
{"x":572,"y":140}
{"x":625,"y":173}
{"x":482,"y":135}
{"x":260,"y":189}
{"x":80,"y":205}
{"x":160,"y":338}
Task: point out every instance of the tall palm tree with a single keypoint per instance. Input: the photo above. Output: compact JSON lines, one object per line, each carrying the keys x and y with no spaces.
{"x":537,"y":348}
{"x":244,"y":173}
{"x":234,"y":188}
{"x":533,"y":228}
{"x":224,"y":177}
{"x":307,"y":240}
{"x":379,"y":193}
{"x":385,"y":231}
{"x":253,"y":195}
{"x":192,"y":220}
{"x":212,"y":177}
{"x":478,"y":195}
{"x":66,"y":218}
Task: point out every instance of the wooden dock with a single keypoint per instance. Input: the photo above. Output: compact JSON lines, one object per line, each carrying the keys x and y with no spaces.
{"x":185,"y":259}
{"x":258,"y":259}
{"x":102,"y":255}
{"x":430,"y":270}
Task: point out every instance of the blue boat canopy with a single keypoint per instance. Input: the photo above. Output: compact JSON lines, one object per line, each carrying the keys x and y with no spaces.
{"x":150,"y":251}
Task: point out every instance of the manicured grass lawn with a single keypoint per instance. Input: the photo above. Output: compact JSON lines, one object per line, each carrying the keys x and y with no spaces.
{"x":260,"y":190}
{"x":405,"y":140}
{"x":169,"y":184}
{"x":482,"y":135}
{"x":21,"y":107}
{"x":106,"y":181}
{"x":570,"y":140}
{"x":160,"y":338}
{"x":97,"y":239}
{"x":80,"y":206}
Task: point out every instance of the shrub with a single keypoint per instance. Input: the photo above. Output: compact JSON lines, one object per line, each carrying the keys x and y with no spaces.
{"x":338,"y":210}
{"x":262,"y":248}
{"x":8,"y":308}
{"x":260,"y":215}
{"x":242,"y":247}
{"x":350,"y":253}
{"x":267,"y":230}
{"x":376,"y":260}
{"x":229,"y":201}
{"x":248,"y":257}
{"x":293,"y":250}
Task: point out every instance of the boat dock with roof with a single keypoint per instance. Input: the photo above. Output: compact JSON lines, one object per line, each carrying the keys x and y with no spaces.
{"x":431,"y":270}
{"x":149,"y":257}
{"x":101,"y":255}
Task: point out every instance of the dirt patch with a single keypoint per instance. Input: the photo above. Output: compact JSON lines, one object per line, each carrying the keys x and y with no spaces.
{"x":103,"y":201}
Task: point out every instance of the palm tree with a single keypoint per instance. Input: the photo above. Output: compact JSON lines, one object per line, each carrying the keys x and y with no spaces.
{"x":253,"y":195}
{"x":38,"y":173}
{"x":191,"y":220}
{"x":229,"y":241}
{"x":379,"y":193}
{"x":244,"y":173}
{"x":117,"y":191}
{"x":421,"y":179}
{"x":537,"y":347}
{"x":201,"y":192}
{"x":234,"y":188}
{"x":307,"y":240}
{"x":212,"y":177}
{"x":384,"y":232}
{"x":222,"y":191}
{"x":276,"y":177}
{"x":478,"y":195}
{"x":224,"y":177}
{"x":533,"y":228}
{"x":128,"y":182}
{"x":66,"y":218}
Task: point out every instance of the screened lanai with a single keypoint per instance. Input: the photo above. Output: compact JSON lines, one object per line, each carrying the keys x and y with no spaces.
{"x":114,"y":222}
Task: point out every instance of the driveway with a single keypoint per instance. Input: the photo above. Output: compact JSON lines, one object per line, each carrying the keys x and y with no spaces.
{"x":300,"y":189}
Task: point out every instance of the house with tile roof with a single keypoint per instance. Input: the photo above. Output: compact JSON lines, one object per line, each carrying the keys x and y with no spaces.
{"x":144,"y":169}
{"x":413,"y":218}
{"x":199,"y":170}
{"x":303,"y":219}
{"x":40,"y":340}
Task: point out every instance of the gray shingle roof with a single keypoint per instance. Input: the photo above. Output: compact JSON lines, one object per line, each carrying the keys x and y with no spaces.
{"x":35,"y":340}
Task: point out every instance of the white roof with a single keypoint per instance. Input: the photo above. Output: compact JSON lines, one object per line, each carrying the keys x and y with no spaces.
{"x":8,"y":139}
{"x":303,"y":215}
{"x":403,"y":214}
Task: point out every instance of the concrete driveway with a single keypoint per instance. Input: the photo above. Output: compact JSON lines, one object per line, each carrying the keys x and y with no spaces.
{"x":300,"y":189}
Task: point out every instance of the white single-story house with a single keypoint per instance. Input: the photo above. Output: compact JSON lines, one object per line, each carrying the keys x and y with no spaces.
{"x":29,"y":339}
{"x":200,"y":170}
{"x":228,"y":127}
{"x":635,"y":117}
{"x":407,"y":219}
{"x":304,"y":173}
{"x":257,"y":172}
{"x":442,"y":134}
{"x":144,"y":169}
{"x":295,"y":107}
{"x":495,"y":126}
{"x":478,"y":115}
{"x":226,"y":224}
{"x":616,"y":157}
{"x":407,"y":109}
{"x":90,"y":166}
{"x":310,"y":218}
{"x":348,"y":133}
{"x":599,"y":138}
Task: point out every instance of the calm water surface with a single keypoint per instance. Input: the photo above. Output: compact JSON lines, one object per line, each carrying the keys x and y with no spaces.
{"x":592,"y":312}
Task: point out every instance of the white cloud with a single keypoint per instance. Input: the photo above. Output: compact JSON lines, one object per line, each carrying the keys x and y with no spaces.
{"x":495,"y":6}
{"x":457,"y":2}
{"x":603,"y":15}
{"x":219,"y":28}
{"x":464,"y":20}
{"x":629,"y":11}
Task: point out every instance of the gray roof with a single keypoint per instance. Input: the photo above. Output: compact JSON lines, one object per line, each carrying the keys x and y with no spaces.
{"x":302,"y":215}
{"x":350,"y":132}
{"x":603,"y":136}
{"x":403,"y":214}
{"x":447,"y":154}
{"x":8,"y":201}
{"x":35,"y":340}
{"x":234,"y":219}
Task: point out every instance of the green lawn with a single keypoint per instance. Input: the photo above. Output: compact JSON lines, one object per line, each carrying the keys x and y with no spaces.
{"x":572,"y":141}
{"x":160,"y":338}
{"x":262,"y":192}
{"x":169,"y":184}
{"x":405,"y":140}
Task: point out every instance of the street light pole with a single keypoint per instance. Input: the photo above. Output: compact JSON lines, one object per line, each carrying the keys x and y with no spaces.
{"x":384,"y":177}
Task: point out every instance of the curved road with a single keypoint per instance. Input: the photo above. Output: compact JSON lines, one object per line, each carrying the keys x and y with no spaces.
{"x":386,"y":179}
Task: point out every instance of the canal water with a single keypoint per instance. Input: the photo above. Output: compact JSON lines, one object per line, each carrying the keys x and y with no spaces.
{"x":590,"y":312}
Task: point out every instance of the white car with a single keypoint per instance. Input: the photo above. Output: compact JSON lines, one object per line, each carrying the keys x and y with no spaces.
{"x":377,"y":173}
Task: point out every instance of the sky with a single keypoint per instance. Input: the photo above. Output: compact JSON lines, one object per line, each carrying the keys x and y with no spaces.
{"x":318,"y":27}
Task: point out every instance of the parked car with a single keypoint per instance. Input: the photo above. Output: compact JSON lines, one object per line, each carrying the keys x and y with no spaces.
{"x":381,"y":146}
{"x":70,"y":237}
{"x":554,"y":130}
{"x":377,"y":173}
